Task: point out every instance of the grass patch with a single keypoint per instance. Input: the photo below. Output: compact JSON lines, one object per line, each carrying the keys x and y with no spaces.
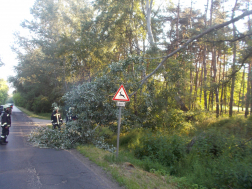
{"x":205,"y":153}
{"x":128,"y":171}
{"x":46,"y":116}
{"x":220,"y":156}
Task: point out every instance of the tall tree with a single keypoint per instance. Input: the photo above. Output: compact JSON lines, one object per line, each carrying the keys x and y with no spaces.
{"x":3,"y":91}
{"x":233,"y":66}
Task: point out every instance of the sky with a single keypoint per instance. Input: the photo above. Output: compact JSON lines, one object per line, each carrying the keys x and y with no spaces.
{"x":13,"y":12}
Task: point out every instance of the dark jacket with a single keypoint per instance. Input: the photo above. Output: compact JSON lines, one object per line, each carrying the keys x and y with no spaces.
{"x":56,"y":118}
{"x":5,"y":119}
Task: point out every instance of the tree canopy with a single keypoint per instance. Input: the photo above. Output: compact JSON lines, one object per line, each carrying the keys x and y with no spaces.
{"x":3,"y":91}
{"x":186,"y":55}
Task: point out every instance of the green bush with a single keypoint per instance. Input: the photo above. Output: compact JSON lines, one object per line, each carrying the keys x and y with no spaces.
{"x":104,"y":132}
{"x":218,"y":160}
{"x":41,"y":104}
{"x":19,"y":100}
{"x":129,"y":138}
{"x":165,"y":149}
{"x":3,"y":91}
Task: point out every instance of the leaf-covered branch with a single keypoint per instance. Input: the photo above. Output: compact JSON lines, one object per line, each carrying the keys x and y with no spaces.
{"x":191,"y":40}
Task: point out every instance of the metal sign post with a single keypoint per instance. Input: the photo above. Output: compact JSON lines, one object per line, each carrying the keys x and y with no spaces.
{"x":120,"y":95}
{"x":120,"y":104}
{"x":118,"y":131}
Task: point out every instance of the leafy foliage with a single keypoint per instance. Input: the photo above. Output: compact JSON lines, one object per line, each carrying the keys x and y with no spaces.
{"x":68,"y":137}
{"x":158,"y":147}
{"x":84,"y":52}
{"x":218,"y":158}
{"x":19,"y":99}
{"x":41,"y":104}
{"x":3,"y":91}
{"x":92,"y":101}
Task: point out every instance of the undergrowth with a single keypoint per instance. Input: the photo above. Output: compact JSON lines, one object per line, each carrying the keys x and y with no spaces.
{"x":216,"y":153}
{"x":210,"y":153}
{"x":219,"y":156}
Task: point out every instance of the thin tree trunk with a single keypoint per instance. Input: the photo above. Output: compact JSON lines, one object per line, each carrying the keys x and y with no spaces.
{"x":222,"y":88}
{"x":248,"y":93}
{"x":148,"y":20}
{"x":225,"y":97}
{"x":191,"y":87}
{"x":196,"y":81}
{"x":191,"y":74}
{"x":201,"y":79}
{"x":205,"y":78}
{"x":211,"y":84}
{"x":249,"y":28}
{"x":204,"y":63}
{"x":233,"y":67}
{"x":239,"y":99}
{"x":215,"y":82}
{"x":243,"y":86}
{"x":177,"y":25}
{"x":250,"y":82}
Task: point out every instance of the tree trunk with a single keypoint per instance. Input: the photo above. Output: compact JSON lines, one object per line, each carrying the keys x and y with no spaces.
{"x":233,"y":67}
{"x":148,"y":20}
{"x":243,"y":86}
{"x":250,"y":82}
{"x":177,"y":25}
{"x":222,"y":87}
{"x":201,"y":79}
{"x":248,"y":93}
{"x":191,"y":87}
{"x":196,"y":81}
{"x":215,"y":82}
{"x":239,"y":99}
{"x":204,"y":63}
{"x":181,"y":103}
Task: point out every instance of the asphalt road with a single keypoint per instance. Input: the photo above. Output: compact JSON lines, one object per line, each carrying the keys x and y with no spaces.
{"x":25,"y":167}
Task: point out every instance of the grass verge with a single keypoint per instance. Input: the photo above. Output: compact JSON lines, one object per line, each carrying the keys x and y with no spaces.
{"x":127,"y":171}
{"x":39,"y":115}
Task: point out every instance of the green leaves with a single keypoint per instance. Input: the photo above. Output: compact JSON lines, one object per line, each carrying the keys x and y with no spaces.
{"x":3,"y":91}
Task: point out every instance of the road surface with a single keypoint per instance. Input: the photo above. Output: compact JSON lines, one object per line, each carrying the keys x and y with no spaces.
{"x":25,"y":167}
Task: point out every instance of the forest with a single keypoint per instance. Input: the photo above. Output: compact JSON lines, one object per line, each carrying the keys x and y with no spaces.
{"x":3,"y":88}
{"x":187,"y":72}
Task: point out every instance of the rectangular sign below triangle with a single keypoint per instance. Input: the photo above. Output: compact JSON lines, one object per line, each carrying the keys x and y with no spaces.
{"x":121,"y":95}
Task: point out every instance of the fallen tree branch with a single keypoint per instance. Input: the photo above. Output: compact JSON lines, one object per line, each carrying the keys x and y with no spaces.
{"x":231,"y":40}
{"x":189,"y":41}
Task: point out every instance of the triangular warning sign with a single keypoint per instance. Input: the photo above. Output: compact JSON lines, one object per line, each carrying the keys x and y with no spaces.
{"x":121,"y":95}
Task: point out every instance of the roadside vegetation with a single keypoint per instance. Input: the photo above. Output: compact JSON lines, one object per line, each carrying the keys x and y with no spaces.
{"x":33,"y":114}
{"x":184,"y":70}
{"x":211,"y":153}
{"x":3,"y":90}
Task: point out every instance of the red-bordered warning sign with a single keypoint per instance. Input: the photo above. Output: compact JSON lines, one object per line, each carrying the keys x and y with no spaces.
{"x":121,"y":95}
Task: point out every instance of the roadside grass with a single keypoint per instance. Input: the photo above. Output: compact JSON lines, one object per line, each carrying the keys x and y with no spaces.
{"x":205,"y":154}
{"x":219,"y":158}
{"x":46,"y":116}
{"x":127,"y":171}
